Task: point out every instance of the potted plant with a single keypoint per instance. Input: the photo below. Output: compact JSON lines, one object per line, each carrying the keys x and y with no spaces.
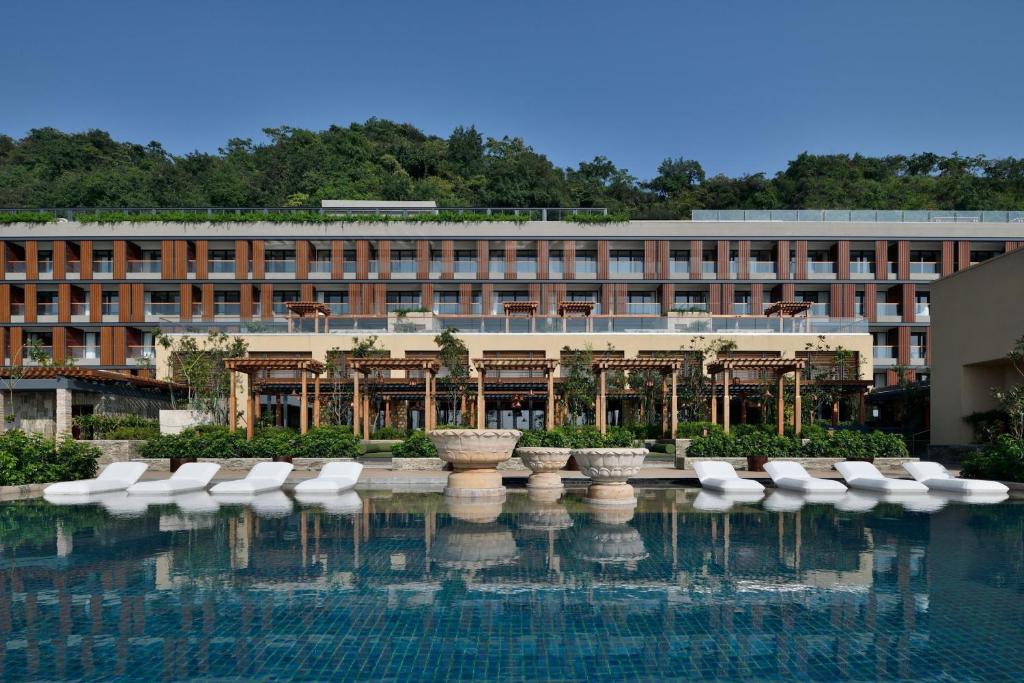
{"x":474,"y":455}
{"x":544,"y":453}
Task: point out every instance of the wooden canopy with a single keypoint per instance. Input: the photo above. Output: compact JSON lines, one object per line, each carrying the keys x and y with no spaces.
{"x":548,"y":365}
{"x":521,"y":307}
{"x":253,"y":367}
{"x":309,"y":309}
{"x":777,"y":364}
{"x":790,"y":308}
{"x":361,"y":404}
{"x":583,"y":308}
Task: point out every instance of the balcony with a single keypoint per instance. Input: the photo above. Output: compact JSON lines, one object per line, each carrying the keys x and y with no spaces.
{"x":110,"y":310}
{"x":918,"y":355}
{"x":924,"y":270}
{"x":278,"y":267}
{"x":744,"y":308}
{"x":103,"y":268}
{"x":643,"y":308}
{"x":73,"y":269}
{"x":762,"y":269}
{"x":819,"y":309}
{"x":46,"y":310}
{"x":15,"y":270}
{"x":46,"y":269}
{"x":30,"y":350}
{"x":140,"y":355}
{"x":556,"y":268}
{"x":169,"y":309}
{"x":496,"y":269}
{"x":449,"y":308}
{"x":320,"y":267}
{"x":436,"y":268}
{"x":147,"y":268}
{"x":396,"y":306}
{"x":628,"y":268}
{"x":79,"y":311}
{"x":862,"y":270}
{"x":403,"y":268}
{"x":465,"y":268}
{"x":888,"y":312}
{"x":338,"y":307}
{"x":586,"y":267}
{"x":526,"y":268}
{"x":922,"y":311}
{"x":231,"y":309}
{"x":884,"y":355}
{"x":821,"y":269}
{"x":221,"y":268}
{"x":691,"y":307}
{"x":707,"y":270}
{"x":84,"y":355}
{"x":679,"y":268}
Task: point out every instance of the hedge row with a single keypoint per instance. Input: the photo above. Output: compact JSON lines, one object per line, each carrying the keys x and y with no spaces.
{"x":34,"y":459}
{"x":840,"y":443}
{"x":214,"y":441}
{"x":1001,"y":459}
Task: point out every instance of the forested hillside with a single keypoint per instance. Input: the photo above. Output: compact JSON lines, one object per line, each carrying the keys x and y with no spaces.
{"x":385,"y":160}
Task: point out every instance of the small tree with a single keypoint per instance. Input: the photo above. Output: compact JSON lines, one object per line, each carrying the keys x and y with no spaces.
{"x":200,"y":366}
{"x":1012,"y":400}
{"x":369,"y":348}
{"x":338,"y":404}
{"x":694,"y":383}
{"x":453,"y":354}
{"x":579,"y":388}
{"x":825,"y":385}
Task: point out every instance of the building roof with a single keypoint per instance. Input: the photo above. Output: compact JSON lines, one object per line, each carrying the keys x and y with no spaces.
{"x":249,"y":365}
{"x":92,"y":375}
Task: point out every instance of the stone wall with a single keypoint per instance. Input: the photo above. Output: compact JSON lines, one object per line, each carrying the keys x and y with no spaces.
{"x":33,"y":410}
{"x":114,"y":404}
{"x":116,"y":451}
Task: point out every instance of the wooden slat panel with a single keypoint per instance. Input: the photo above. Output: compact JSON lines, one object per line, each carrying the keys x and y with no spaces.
{"x":948,"y":257}
{"x":800,"y":272}
{"x":650,"y":260}
{"x":835,"y":301}
{"x":963,"y":255}
{"x":355,"y":299}
{"x":696,"y":257}
{"x":903,"y":345}
{"x":668,"y":297}
{"x":120,"y":259}
{"x":843,"y":259}
{"x":242,"y":260}
{"x":124,"y":302}
{"x":259,"y":263}
{"x":167,"y":259}
{"x":120,"y":346}
{"x":302,"y":249}
{"x":85,"y":256}
{"x":483,"y":256}
{"x":728,"y":297}
{"x":60,"y":259}
{"x":447,"y":259}
{"x":267,"y":301}
{"x":337,"y":259}
{"x":465,"y":298}
{"x":5,"y":308}
{"x":138,"y":310}
{"x":363,"y":259}
{"x":487,"y":298}
{"x":881,"y":260}
{"x":384,"y":259}
{"x":782,"y":260}
{"x":60,"y":344}
{"x":64,"y":302}
{"x":306,"y":292}
{"x":423,"y":259}
{"x":202,"y":259}
{"x":510,"y":260}
{"x":185,"y":301}
{"x":722,"y":259}
{"x":756,"y":297}
{"x":871,"y":302}
{"x":16,"y":345}
{"x":908,"y":303}
{"x":903,"y":259}
{"x":743,"y":267}
{"x":30,"y":303}
{"x":569,"y":260}
{"x":426,"y":300}
{"x":180,"y":259}
{"x":621,"y":300}
{"x":664,"y":269}
{"x":207,"y":294}
{"x":106,"y":346}
{"x":245,"y":302}
{"x":602,"y":259}
{"x":31,"y":260}
{"x":95,"y":302}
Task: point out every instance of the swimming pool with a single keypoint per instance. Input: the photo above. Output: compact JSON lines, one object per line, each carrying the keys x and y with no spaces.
{"x":399,"y":586}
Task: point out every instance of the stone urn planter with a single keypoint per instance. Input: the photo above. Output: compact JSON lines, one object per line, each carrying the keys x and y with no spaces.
{"x":545,"y":464}
{"x":474,"y":455}
{"x":610,"y":468}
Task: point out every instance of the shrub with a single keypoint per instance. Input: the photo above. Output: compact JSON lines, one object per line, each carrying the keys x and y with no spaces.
{"x":116,"y":427}
{"x":883,"y":445}
{"x":34,"y":459}
{"x":1002,"y":459}
{"x":714,"y":445}
{"x":644,"y":431}
{"x":416,"y":445}
{"x":688,"y":430}
{"x":813,"y":431}
{"x":205,"y":441}
{"x":389,"y":433}
{"x":619,"y":437}
{"x":851,"y":445}
{"x":271,"y":442}
{"x":760,"y":442}
{"x":328,"y":442}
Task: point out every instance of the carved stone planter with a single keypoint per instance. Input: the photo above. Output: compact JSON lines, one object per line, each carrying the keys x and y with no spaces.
{"x":474,"y":455}
{"x":545,"y":464}
{"x":610,"y":468}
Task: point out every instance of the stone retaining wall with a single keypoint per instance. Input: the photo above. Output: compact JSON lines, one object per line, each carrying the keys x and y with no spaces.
{"x":887,"y":465}
{"x":116,"y":450}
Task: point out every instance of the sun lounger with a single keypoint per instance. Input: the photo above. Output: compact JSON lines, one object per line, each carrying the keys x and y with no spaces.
{"x":720,"y":476}
{"x":937,"y":478}
{"x":790,"y":475}
{"x":264,"y":476}
{"x":334,"y":477}
{"x":117,"y":476}
{"x":192,"y":476}
{"x":864,"y":475}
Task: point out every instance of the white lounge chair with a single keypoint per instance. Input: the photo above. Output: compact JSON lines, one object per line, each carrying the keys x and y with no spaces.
{"x":721,"y":476}
{"x":334,"y":477}
{"x":864,"y":475}
{"x":790,"y":475}
{"x":117,"y":476}
{"x":937,"y":478}
{"x":264,"y":476}
{"x":192,"y":476}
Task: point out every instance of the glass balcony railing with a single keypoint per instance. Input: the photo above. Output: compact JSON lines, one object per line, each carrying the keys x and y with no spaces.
{"x":349,"y":267}
{"x":679,"y":267}
{"x":79,"y":308}
{"x":169,"y":309}
{"x":691,"y":306}
{"x":110,"y":308}
{"x":466,"y":266}
{"x":46,"y":308}
{"x":762,"y":267}
{"x":556,"y":267}
{"x":819,"y":309}
{"x":80,"y":353}
{"x":17,"y":308}
{"x":320,"y":266}
{"x":924,"y":268}
{"x":103,"y":266}
{"x":436,"y":267}
{"x":338,"y":307}
{"x":394,"y":306}
{"x":625,"y":267}
{"x":147,"y":266}
{"x":73,"y":267}
{"x":233,"y":308}
{"x":890,"y":268}
{"x":586,"y":266}
{"x":922,"y":310}
{"x":821,"y":268}
{"x":707,"y":267}
{"x":496,"y":269}
{"x":32,"y":349}
{"x":862,"y":268}
{"x":883,"y":352}
{"x":526,"y":266}
{"x":222,"y":265}
{"x":403,"y":266}
{"x":643,"y":308}
{"x":141,"y":353}
{"x":279,"y":266}
{"x":887,"y":310}
{"x":447,"y":308}
{"x":741,"y":308}
{"x":15,"y":267}
{"x":46,"y":267}
{"x":918,"y":353}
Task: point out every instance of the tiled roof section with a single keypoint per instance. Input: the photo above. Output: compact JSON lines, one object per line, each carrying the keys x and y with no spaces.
{"x":91,"y":375}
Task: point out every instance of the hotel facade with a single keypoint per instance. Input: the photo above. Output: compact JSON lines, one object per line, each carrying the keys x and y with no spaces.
{"x":94,"y":293}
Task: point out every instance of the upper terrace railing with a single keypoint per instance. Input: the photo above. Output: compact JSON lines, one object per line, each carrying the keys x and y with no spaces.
{"x":858,"y":216}
{"x":529,"y":213}
{"x":686,"y":324}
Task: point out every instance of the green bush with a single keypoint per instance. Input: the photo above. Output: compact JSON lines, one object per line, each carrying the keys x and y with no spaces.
{"x":416,"y":445}
{"x":813,"y":430}
{"x":714,"y":445}
{"x":619,"y":437}
{"x":206,"y":441}
{"x":34,"y":459}
{"x":883,"y":445}
{"x":271,"y":442}
{"x":116,"y":427}
{"x":1002,"y":459}
{"x":761,"y":442}
{"x":389,"y":433}
{"x":328,"y":442}
{"x":851,"y":445}
{"x":688,"y":430}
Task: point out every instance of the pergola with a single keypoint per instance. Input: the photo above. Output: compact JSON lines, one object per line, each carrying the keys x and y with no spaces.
{"x":257,"y":370}
{"x":669,"y":368}
{"x":523,"y":309}
{"x":482,"y":365}
{"x":576,"y":309}
{"x":309,"y":309}
{"x":780,"y":366}
{"x":361,"y":404}
{"x":790,"y":309}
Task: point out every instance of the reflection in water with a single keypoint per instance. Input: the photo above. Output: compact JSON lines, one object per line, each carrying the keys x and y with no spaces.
{"x":404,"y":586}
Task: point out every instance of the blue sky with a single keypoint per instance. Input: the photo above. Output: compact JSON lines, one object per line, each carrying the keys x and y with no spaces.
{"x":740,"y":85}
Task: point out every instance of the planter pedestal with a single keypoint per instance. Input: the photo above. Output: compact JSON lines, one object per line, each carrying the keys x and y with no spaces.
{"x":474,"y":455}
{"x":545,"y":463}
{"x":610,"y":468}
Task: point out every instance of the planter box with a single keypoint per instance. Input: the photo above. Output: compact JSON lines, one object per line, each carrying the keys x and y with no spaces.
{"x":437,"y":464}
{"x":176,"y":421}
{"x":886,"y":465}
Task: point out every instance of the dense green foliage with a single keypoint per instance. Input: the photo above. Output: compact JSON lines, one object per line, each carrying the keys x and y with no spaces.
{"x":840,"y":443}
{"x":328,"y":442}
{"x":270,"y":442}
{"x":688,"y":430}
{"x":206,"y":441}
{"x":381,"y":159}
{"x":388,"y":433}
{"x":34,"y":459}
{"x":416,"y":445}
{"x":1001,"y":459}
{"x":576,"y":437}
{"x":116,"y":427}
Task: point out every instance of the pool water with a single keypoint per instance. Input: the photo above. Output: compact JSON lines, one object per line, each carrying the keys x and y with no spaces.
{"x":390,"y":586}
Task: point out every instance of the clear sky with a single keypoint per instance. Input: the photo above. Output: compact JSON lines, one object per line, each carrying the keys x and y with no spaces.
{"x":740,"y":85}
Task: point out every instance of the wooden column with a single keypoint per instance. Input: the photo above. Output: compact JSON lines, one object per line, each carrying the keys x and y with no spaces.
{"x":355,"y":401}
{"x":674,"y":422}
{"x":549,"y":412}
{"x":725,"y":400}
{"x":303,"y":406}
{"x":780,"y":405}
{"x":366,"y":416}
{"x":480,"y":406}
{"x":316,"y":401}
{"x":232,"y":401}
{"x":602,"y":418}
{"x":714,"y":400}
{"x":250,"y":413}
{"x":796,"y":404}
